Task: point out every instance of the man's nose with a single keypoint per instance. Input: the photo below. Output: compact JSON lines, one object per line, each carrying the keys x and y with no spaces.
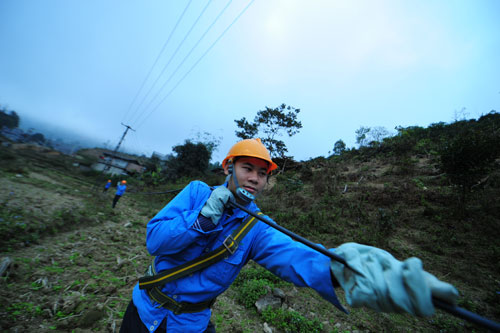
{"x":253,"y":177}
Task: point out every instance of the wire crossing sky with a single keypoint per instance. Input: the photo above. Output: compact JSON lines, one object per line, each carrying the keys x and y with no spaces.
{"x":174,"y":69}
{"x":156,"y":60}
{"x":182,"y":62}
{"x":170,"y":60}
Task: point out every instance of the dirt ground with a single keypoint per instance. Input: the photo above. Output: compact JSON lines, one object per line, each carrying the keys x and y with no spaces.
{"x":78,"y":275}
{"x":81,"y":279}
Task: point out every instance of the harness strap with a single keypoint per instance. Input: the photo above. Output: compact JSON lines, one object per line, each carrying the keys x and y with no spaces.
{"x":177,"y":307}
{"x":227,"y":248}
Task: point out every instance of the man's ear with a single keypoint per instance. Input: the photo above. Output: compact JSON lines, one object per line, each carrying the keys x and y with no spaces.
{"x":226,"y":169}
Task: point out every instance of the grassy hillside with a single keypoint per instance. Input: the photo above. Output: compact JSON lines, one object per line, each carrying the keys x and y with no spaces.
{"x":75,"y":260}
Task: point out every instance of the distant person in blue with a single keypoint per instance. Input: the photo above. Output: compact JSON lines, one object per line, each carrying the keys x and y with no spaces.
{"x":199,"y":221}
{"x":120,"y":189}
{"x":107,"y":186}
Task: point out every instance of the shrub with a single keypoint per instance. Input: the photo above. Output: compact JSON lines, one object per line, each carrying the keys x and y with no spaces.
{"x":291,"y":321}
{"x":468,"y":157}
{"x":250,"y":291}
{"x":251,"y":284}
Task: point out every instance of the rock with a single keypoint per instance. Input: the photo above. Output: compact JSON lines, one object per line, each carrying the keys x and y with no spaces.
{"x":326,"y":326}
{"x":267,"y":329}
{"x":268,"y":300}
{"x":292,"y":292}
{"x":71,"y":302}
{"x":127,"y":225}
{"x":110,"y":290}
{"x":46,"y":313}
{"x":279,"y":293}
{"x":90,"y":318}
{"x":63,"y":324}
{"x":79,"y":330}
{"x":5,"y":265}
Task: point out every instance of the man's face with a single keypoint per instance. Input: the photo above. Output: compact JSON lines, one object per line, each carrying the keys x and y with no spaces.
{"x":251,"y":173}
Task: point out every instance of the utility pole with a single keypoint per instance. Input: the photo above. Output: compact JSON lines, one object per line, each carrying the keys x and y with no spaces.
{"x":123,"y":137}
{"x":108,"y":166}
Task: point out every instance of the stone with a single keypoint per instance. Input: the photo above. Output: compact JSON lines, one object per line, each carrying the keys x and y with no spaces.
{"x":90,"y":318}
{"x":279,"y":293}
{"x":267,"y":329}
{"x":268,"y":300}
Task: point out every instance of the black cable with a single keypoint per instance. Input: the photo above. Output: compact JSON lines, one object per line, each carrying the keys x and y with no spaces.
{"x":165,"y":192}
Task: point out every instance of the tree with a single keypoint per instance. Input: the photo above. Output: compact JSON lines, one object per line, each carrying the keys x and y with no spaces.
{"x":361,"y":136}
{"x":9,"y":120}
{"x":378,"y":133}
{"x":209,"y":140}
{"x":270,"y":124}
{"x":339,"y":147}
{"x":192,"y":160}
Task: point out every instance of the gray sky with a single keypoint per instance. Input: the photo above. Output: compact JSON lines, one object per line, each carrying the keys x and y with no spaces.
{"x":345,"y":64}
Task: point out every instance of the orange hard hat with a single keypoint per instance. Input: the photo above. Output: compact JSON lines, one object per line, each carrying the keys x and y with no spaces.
{"x":251,"y":148}
{"x":109,"y":180}
{"x":124,"y":182}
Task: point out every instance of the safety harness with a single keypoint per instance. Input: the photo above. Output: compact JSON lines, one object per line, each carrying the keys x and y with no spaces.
{"x":153,"y":280}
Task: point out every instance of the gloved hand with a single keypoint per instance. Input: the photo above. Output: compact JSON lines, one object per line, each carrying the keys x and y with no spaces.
{"x":216,"y":202}
{"x":388,"y":285}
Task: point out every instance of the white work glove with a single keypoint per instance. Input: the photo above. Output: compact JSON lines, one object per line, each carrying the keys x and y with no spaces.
{"x":388,"y":285}
{"x":214,"y":207}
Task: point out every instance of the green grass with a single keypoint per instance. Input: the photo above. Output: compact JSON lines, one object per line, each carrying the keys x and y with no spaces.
{"x":291,"y":321}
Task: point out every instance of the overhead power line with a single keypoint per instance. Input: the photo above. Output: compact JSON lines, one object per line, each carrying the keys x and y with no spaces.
{"x":196,"y":63}
{"x":187,"y":56}
{"x":156,"y":61}
{"x":171,"y":58}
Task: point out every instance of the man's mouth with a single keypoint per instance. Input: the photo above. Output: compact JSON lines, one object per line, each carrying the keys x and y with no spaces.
{"x":249,"y":189}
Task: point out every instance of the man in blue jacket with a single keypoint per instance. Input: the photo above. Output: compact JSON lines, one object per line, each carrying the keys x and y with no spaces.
{"x":120,"y":190}
{"x":198,"y":221}
{"x":107,"y":186}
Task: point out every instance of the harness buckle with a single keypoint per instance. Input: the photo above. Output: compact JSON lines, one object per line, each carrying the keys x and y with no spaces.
{"x":228,"y":246}
{"x":177,"y":308}
{"x":149,"y":271}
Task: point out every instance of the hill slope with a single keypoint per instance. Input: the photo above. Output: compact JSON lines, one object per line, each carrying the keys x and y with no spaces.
{"x":75,"y":260}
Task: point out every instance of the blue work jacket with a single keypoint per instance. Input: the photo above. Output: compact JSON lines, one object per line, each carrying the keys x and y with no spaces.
{"x":120,"y":189}
{"x":108,"y":185}
{"x":173,"y":237}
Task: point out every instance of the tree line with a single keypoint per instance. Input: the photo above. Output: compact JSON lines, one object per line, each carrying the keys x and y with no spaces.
{"x":466,"y":150}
